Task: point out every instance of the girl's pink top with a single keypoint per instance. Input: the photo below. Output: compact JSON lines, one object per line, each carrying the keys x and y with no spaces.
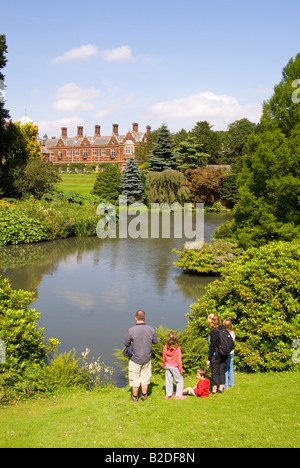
{"x":172,"y":358}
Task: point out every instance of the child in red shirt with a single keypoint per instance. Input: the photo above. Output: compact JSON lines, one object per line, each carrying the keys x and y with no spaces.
{"x":203,"y":386}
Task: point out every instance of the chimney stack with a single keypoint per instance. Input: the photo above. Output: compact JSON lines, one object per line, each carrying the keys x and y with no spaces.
{"x":116,"y":129}
{"x":135,"y":127}
{"x":64,"y":132}
{"x":97,"y":131}
{"x":79,"y":132}
{"x":148,"y":129}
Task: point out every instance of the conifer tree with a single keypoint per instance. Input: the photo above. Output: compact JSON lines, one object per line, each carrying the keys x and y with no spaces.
{"x":107,"y":185}
{"x":190,"y":154}
{"x":163,"y":156}
{"x":131,"y":184}
{"x":269,"y":183}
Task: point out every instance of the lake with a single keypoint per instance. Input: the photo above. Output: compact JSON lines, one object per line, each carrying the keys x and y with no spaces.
{"x":88,"y":289}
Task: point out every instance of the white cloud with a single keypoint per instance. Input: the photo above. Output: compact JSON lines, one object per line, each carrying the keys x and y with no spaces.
{"x":121,"y":54}
{"x":218,"y":110}
{"x":71,"y":99}
{"x":83,"y":52}
{"x":104,"y":111}
{"x":53,"y":127}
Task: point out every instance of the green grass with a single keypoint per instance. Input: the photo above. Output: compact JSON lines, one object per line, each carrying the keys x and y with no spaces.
{"x":261,"y":411}
{"x":78,"y":183}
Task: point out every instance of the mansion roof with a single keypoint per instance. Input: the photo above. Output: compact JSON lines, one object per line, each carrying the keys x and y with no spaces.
{"x":133,"y":137}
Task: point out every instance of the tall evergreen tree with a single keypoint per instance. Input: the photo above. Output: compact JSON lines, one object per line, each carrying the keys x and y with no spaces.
{"x":131,"y":184}
{"x":107,"y":185}
{"x":163,"y":156}
{"x":190,"y":154}
{"x":269,"y":207}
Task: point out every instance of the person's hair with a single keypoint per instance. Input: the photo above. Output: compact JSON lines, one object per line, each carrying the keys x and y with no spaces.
{"x":214,"y":320}
{"x":140,"y":316}
{"x":228,"y":325}
{"x":202,"y":372}
{"x":172,"y":341}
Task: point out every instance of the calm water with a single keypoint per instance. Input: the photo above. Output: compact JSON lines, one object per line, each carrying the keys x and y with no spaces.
{"x":88,"y":290}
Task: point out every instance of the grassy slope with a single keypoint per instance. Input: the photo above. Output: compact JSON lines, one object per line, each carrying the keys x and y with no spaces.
{"x":79,"y":183}
{"x":261,"y":411}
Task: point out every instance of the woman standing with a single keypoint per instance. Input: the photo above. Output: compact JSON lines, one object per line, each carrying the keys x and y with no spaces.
{"x":216,"y":362}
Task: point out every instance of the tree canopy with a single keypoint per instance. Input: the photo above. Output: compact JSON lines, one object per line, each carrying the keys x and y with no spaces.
{"x":269,"y":206}
{"x":163,"y":156}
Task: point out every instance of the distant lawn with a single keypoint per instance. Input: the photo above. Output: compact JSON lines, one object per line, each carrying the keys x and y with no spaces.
{"x":78,"y":183}
{"x":262,"y":410}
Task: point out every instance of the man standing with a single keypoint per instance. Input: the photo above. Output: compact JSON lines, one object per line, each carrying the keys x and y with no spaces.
{"x":141,"y":337}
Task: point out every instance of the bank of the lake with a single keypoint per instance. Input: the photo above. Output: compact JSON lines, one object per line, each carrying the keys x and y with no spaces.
{"x":261,"y":411}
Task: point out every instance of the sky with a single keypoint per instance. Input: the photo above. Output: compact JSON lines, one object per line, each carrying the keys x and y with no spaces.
{"x":94,"y":62}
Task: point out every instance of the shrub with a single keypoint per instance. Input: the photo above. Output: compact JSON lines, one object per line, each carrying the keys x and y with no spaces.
{"x":209,"y":259}
{"x":17,"y":228}
{"x":64,"y":372}
{"x":194,"y":350}
{"x":24,"y":342}
{"x":260,"y":293}
{"x":166,"y":187}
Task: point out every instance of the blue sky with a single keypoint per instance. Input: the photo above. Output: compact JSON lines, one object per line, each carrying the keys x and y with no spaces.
{"x":163,"y":61}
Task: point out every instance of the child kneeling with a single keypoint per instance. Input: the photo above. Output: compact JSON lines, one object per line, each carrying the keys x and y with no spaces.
{"x":203,"y":386}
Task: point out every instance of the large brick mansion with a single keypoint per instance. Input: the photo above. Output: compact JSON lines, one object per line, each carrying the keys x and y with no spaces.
{"x":93,"y":150}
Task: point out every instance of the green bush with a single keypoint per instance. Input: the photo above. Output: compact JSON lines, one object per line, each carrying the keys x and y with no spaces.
{"x":260,"y":293}
{"x":64,"y":372}
{"x":38,"y":220}
{"x":18,"y":228}
{"x":209,"y":259}
{"x":24,"y":342}
{"x":194,"y":350}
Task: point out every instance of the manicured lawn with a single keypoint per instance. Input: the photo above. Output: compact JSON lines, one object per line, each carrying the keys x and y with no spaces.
{"x":78,"y":183}
{"x":262,"y":410}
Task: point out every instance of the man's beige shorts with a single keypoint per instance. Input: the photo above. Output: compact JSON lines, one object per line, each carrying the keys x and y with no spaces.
{"x":139,"y":374}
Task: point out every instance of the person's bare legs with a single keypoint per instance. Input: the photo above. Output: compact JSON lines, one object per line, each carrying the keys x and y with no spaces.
{"x":189,"y":391}
{"x":135,"y":390}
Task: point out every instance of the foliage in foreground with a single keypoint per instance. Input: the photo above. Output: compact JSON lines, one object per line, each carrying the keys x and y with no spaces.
{"x":260,"y":292}
{"x":18,"y":329}
{"x":63,"y":371}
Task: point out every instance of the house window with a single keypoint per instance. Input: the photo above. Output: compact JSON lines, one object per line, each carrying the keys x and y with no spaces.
{"x":103,"y":152}
{"x":95,"y":152}
{"x":113,"y":153}
{"x":85,"y":154}
{"x":77,"y":153}
{"x":129,"y":149}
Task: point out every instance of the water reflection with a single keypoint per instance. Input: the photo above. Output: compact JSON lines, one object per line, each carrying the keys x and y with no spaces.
{"x":88,"y":290}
